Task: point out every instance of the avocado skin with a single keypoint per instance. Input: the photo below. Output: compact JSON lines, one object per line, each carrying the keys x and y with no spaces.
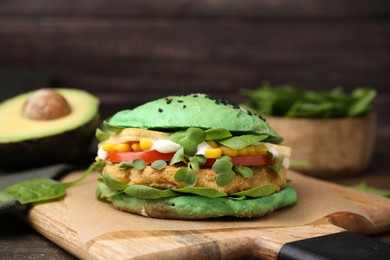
{"x":67,"y":147}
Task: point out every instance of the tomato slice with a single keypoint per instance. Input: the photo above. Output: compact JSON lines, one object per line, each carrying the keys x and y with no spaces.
{"x":151,"y":156}
{"x":250,"y":160}
{"x":147,"y":156}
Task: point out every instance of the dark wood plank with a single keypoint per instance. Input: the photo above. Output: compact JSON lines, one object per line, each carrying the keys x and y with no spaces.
{"x":19,"y":241}
{"x":161,"y":55}
{"x":253,"y":9}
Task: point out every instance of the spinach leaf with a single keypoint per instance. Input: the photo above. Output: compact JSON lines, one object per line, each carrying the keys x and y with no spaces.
{"x":176,"y":136}
{"x":108,"y":187}
{"x":271,"y":100}
{"x":104,"y":190}
{"x":178,"y":156}
{"x":139,"y":164}
{"x":83,"y":176}
{"x":114,"y":183}
{"x":186,"y":175}
{"x":191,"y":140}
{"x":99,"y":165}
{"x":362,"y":99}
{"x":245,"y":172}
{"x":257,"y":192}
{"x":242,"y":141}
{"x":197,"y":161}
{"x":366,"y":188}
{"x":223,"y":167}
{"x":5,"y":197}
{"x":112,"y":128}
{"x":287,"y":101}
{"x":146,"y":192}
{"x":125,"y":165}
{"x":101,"y":135}
{"x":217,"y":134}
{"x":159,"y":164}
{"x":255,"y":169}
{"x":201,"y":191}
{"x":36,"y":190}
{"x":275,"y":168}
{"x":40,"y":190}
{"x":299,"y":164}
{"x":224,"y":178}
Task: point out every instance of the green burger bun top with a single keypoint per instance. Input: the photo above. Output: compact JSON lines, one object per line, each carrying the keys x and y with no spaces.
{"x":195,"y":110}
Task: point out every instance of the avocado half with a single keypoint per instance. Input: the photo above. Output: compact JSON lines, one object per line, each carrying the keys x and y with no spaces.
{"x":34,"y":142}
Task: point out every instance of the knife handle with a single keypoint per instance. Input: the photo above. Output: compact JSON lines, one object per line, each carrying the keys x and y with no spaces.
{"x":344,"y":245}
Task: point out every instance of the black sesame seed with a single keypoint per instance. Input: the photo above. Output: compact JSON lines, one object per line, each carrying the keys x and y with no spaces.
{"x":184,"y":106}
{"x":160,"y":110}
{"x":180,"y":101}
{"x":221,"y":101}
{"x":195,"y":96}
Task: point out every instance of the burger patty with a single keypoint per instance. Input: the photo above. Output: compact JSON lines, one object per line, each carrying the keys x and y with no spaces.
{"x":164,"y":179}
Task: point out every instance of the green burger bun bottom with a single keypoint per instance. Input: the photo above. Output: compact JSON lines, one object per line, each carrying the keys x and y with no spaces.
{"x":198,"y":207}
{"x":178,"y":113}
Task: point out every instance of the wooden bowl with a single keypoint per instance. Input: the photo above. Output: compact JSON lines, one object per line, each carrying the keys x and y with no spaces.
{"x":331,"y":147}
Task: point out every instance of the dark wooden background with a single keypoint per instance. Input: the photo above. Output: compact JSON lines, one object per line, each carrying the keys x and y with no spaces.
{"x":143,"y":49}
{"x":131,"y":51}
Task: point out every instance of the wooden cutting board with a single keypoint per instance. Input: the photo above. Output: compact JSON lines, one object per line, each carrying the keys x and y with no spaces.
{"x":61,"y":223}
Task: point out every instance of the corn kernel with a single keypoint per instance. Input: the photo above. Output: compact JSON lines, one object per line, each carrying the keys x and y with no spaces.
{"x":251,"y":150}
{"x":145,"y":144}
{"x":261,"y":149}
{"x":123,"y":147}
{"x":212,"y":144}
{"x":213,"y":153}
{"x":136,"y":147}
{"x":108,"y":147}
{"x":243,"y":152}
{"x":229,"y":151}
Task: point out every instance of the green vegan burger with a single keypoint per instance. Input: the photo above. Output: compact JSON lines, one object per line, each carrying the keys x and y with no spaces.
{"x":192,"y":157}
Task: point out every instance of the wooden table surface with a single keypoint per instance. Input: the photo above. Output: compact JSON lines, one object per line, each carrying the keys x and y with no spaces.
{"x":19,"y":241}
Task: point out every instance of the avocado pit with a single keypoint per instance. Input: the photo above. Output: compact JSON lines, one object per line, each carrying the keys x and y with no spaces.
{"x":45,"y":104}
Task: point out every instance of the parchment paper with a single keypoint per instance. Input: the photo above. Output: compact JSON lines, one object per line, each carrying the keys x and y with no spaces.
{"x":92,"y":217}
